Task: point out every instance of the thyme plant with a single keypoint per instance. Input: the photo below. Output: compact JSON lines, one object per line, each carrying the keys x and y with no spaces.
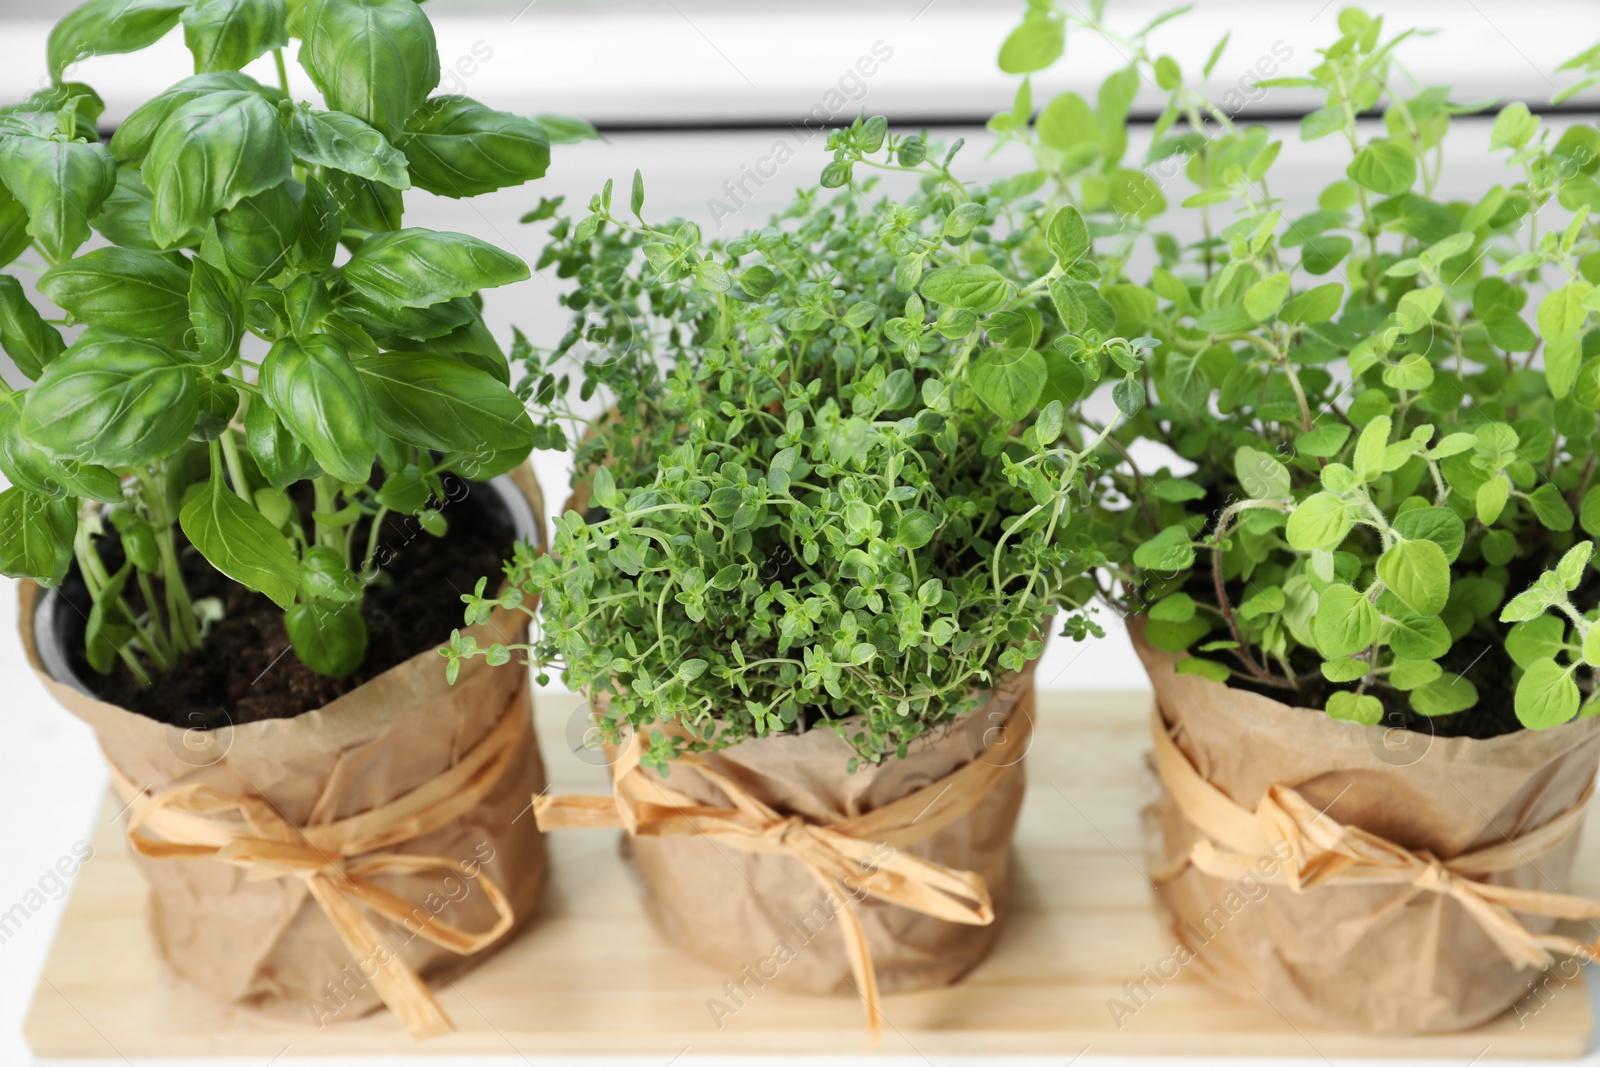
{"x":839,"y":477}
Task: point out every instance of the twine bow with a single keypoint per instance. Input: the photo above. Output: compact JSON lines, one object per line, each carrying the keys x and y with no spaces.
{"x":1319,"y":850}
{"x":338,"y":860}
{"x":838,"y":853}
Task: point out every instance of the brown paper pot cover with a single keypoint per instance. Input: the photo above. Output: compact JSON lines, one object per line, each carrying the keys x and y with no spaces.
{"x":732,"y":909}
{"x":1376,"y":959}
{"x":266,"y":944}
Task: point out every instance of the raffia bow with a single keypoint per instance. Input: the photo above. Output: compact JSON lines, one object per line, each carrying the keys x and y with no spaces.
{"x":837,"y":854}
{"x":1318,"y":850}
{"x":338,"y":860}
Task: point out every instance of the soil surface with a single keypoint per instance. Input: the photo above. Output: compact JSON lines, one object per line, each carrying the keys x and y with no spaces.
{"x":246,"y":671}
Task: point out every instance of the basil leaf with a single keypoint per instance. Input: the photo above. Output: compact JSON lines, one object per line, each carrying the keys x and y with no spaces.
{"x":14,"y":237}
{"x":255,"y":235}
{"x":227,"y":34}
{"x":417,"y":268}
{"x":35,"y":536}
{"x":320,"y":226}
{"x":142,"y":294}
{"x":368,"y":205}
{"x":458,"y":147}
{"x":328,"y":637}
{"x":438,"y":403}
{"x":209,"y":154}
{"x":107,"y":27}
{"x":30,"y":341}
{"x":216,"y":308}
{"x":312,"y":386}
{"x":136,"y":133}
{"x":345,"y":143}
{"x":31,"y":467}
{"x":375,"y":59}
{"x":281,"y":458}
{"x":237,"y":540}
{"x":61,"y":185}
{"x":124,"y":218}
{"x":116,"y":401}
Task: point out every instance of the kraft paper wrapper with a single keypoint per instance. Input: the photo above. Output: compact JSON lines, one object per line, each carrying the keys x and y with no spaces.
{"x":267,"y":945}
{"x":731,"y":908}
{"x":1387,"y":959}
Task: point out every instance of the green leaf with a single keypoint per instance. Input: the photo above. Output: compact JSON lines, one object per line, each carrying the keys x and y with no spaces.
{"x":1008,"y":382}
{"x":328,"y":637}
{"x":1345,"y":670}
{"x":1168,"y":551}
{"x":442,"y":404}
{"x":30,"y":341}
{"x":1205,"y":668}
{"x":256,"y":234}
{"x":1345,"y":622}
{"x":1419,"y":574}
{"x":1415,"y":636}
{"x":142,"y":294}
{"x":135,"y":134}
{"x":208,"y":155}
{"x":239,"y":542}
{"x":60,"y":184}
{"x":1263,"y":299}
{"x":1445,"y":695}
{"x":227,"y":34}
{"x":1408,"y":674}
{"x":1540,"y":638}
{"x":981,"y":288}
{"x":1508,"y":330}
{"x":915,"y":529}
{"x":1314,"y":305}
{"x":1355,"y":707}
{"x":216,"y":309}
{"x":106,"y":27}
{"x":1562,"y":312}
{"x":1067,"y":236}
{"x":1546,"y":696}
{"x":1491,"y":499}
{"x":115,"y":401}
{"x":1371,"y":448}
{"x":343,"y":142}
{"x":1323,"y":441}
{"x":1176,"y":607}
{"x":279,"y":455}
{"x":1386,"y":167}
{"x":418,"y":268}
{"x":35,"y":536}
{"x":375,"y":59}
{"x":1034,"y":45}
{"x":1440,"y":525}
{"x":1068,"y":122}
{"x":1261,"y":475}
{"x":312,"y":386}
{"x":1321,"y":521}
{"x":14,"y":237}
{"x":458,"y":148}
{"x":1551,"y":508}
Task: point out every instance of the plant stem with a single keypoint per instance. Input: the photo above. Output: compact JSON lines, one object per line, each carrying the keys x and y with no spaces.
{"x":230,"y":451}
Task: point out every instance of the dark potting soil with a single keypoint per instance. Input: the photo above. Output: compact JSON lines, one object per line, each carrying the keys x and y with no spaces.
{"x":246,"y":670}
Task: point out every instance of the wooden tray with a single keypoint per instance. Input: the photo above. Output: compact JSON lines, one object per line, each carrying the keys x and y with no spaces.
{"x":591,"y":976}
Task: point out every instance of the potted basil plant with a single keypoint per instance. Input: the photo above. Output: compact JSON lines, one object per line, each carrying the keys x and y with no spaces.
{"x":260,"y":433}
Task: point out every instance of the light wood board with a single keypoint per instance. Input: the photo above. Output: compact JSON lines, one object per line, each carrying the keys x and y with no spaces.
{"x":590,"y":975}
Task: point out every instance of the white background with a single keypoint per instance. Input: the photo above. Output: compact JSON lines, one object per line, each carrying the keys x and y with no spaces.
{"x":681,"y":63}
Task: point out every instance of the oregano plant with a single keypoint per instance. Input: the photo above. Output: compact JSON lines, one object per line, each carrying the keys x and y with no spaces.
{"x":837,"y":476}
{"x":252,"y":353}
{"x":1380,"y":414}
